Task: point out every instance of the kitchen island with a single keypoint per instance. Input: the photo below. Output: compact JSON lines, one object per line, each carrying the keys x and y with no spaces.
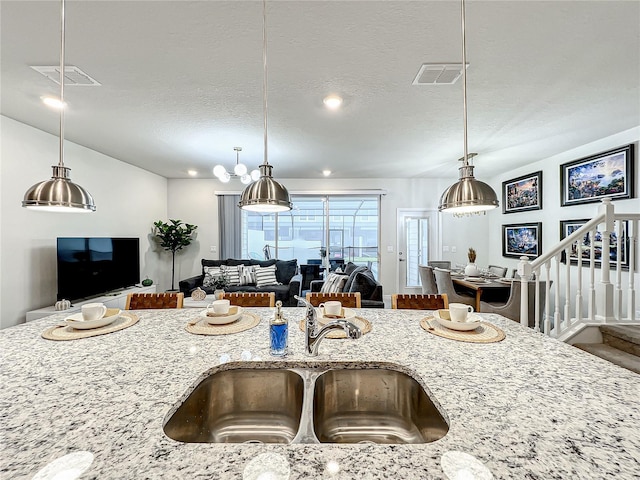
{"x":526,"y":407}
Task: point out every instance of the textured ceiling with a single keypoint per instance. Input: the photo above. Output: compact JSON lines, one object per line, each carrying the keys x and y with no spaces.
{"x":182,"y":81}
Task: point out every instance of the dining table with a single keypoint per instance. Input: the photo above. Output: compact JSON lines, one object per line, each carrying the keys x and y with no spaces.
{"x":480,"y":285}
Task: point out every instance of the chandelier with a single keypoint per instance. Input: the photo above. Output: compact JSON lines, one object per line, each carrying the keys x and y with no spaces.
{"x":240,"y":170}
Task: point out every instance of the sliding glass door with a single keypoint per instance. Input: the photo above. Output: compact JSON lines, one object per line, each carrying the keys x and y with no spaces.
{"x":331,"y":229}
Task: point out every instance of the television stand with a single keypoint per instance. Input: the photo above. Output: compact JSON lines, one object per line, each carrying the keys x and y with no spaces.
{"x":111,"y":300}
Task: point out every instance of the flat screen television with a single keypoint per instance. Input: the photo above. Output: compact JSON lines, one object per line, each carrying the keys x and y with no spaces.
{"x":89,"y":267}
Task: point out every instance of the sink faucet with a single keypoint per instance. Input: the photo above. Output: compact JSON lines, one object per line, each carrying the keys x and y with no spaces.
{"x":313,"y":336}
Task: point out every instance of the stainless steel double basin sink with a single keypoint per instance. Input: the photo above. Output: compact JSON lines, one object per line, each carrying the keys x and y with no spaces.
{"x":314,"y":404}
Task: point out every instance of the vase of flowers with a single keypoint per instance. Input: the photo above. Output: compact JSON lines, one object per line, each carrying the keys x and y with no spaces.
{"x":471,"y":270}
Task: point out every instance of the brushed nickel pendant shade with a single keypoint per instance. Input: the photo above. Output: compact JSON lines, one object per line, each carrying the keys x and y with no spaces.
{"x":467,"y":196}
{"x":265,"y":194}
{"x":59,"y":194}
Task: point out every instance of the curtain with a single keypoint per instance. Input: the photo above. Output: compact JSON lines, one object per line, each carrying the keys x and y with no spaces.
{"x":229,"y":223}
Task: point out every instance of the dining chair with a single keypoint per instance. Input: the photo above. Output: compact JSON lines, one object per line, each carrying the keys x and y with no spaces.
{"x":428,"y":280}
{"x":143,"y":301}
{"x":411,"y":301}
{"x":511,"y":308}
{"x":251,"y":299}
{"x":439,"y":264}
{"x":348,"y":299}
{"x":498,"y":270}
{"x":445,"y":286}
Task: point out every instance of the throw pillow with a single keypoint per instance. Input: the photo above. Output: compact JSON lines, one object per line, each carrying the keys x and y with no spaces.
{"x":352,"y":276}
{"x":349,"y":268}
{"x":265,"y":276}
{"x":334,"y":283}
{"x":231,"y":271}
{"x":285,"y":270}
{"x":210,"y":274}
{"x":365,"y":284}
{"x":247,"y":274}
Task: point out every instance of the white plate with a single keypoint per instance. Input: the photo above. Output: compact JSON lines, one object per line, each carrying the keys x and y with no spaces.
{"x":475,"y":279}
{"x":76,"y":321}
{"x":506,"y":280}
{"x":222,"y":320}
{"x":348,"y":315}
{"x":471,"y":324}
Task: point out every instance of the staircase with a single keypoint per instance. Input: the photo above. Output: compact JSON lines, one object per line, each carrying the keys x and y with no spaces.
{"x":621,"y":346}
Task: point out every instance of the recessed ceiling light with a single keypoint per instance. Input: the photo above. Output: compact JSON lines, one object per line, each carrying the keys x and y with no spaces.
{"x":53,"y":102}
{"x":332,"y":102}
{"x":326,"y":173}
{"x":193,"y":173}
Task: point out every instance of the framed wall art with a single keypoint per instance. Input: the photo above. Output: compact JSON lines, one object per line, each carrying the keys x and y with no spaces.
{"x":522,"y":193}
{"x":583,"y":248}
{"x":520,"y":239}
{"x":590,"y":179}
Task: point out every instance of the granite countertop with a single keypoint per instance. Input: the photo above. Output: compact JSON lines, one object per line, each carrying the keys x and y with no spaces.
{"x":527,"y":407}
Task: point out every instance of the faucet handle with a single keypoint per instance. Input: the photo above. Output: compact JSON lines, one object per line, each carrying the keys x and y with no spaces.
{"x":304,"y":300}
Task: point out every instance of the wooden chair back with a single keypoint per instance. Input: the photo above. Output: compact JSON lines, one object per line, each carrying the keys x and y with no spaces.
{"x":419,"y":302}
{"x":251,"y":299}
{"x":348,"y":299}
{"x":144,"y":301}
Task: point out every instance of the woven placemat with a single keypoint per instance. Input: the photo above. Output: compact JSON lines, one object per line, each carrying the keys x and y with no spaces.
{"x":200,"y":326}
{"x":64,"y":332}
{"x":485,"y":333}
{"x":362,"y":323}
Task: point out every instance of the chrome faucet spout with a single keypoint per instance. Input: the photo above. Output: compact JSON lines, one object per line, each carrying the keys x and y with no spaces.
{"x":313,"y":336}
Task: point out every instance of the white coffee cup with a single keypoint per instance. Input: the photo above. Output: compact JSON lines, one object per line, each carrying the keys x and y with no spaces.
{"x":459,"y":312}
{"x":332,"y":308}
{"x":93,"y":311}
{"x":220,"y":306}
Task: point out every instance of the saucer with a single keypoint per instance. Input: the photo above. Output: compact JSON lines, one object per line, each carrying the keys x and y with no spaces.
{"x":347,"y":313}
{"x":459,"y":326}
{"x":222,"y":320}
{"x":77,"y":322}
{"x":475,"y":279}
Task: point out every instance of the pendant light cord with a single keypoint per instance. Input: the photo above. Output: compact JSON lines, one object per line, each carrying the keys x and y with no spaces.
{"x":62,"y":106}
{"x":464,"y":90}
{"x":264,"y":78}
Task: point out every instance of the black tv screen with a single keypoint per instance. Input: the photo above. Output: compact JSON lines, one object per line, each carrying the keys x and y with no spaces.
{"x":92,"y":266}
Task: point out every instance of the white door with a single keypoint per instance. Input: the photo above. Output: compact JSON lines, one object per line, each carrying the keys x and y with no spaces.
{"x":417,"y":242}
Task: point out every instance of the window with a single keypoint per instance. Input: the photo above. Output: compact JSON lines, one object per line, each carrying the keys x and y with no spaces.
{"x":348,"y":224}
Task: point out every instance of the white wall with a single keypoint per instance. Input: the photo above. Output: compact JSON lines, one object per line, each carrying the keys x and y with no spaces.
{"x":552,"y":212}
{"x":128,"y":201}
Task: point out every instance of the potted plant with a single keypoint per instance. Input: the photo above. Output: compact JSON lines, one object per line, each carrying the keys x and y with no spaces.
{"x":173,"y":237}
{"x":471,"y":269}
{"x":219,"y":284}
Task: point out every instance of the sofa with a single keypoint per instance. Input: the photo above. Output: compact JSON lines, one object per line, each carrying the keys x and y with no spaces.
{"x":356,"y":278}
{"x":285,"y":285}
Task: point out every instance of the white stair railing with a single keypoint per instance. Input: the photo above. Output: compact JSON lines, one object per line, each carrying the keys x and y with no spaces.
{"x":560,"y":311}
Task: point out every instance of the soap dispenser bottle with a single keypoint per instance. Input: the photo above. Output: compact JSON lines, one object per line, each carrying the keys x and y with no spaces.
{"x":279,"y":332}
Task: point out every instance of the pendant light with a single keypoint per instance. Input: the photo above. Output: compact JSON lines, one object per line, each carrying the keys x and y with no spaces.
{"x":265,"y":195}
{"x":467,"y":196}
{"x":239,"y":170}
{"x":59,"y":194}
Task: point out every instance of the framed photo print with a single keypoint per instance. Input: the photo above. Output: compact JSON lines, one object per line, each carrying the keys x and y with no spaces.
{"x":522,"y":193}
{"x":522,"y":239}
{"x":594,"y":241}
{"x":607,"y":174}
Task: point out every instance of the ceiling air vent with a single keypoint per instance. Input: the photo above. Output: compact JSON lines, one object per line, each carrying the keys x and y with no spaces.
{"x":438,"y":74}
{"x":74,"y":77}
